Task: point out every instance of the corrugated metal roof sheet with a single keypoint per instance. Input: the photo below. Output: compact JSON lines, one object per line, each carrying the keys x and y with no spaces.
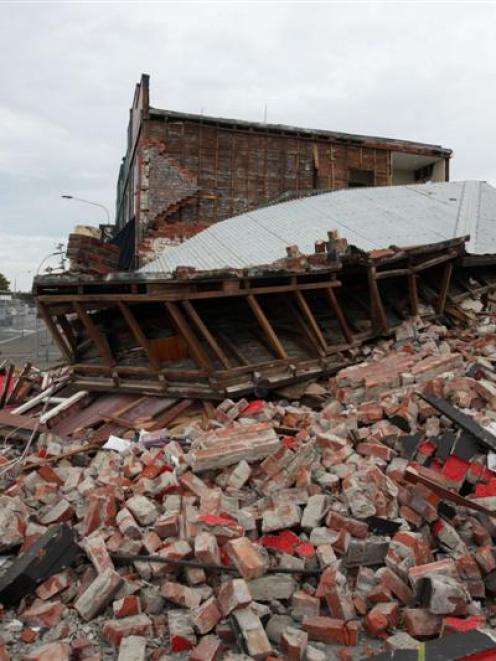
{"x":368,"y":218}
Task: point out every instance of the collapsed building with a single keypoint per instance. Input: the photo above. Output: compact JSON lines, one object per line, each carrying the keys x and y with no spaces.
{"x":183,"y":172}
{"x":274,"y":440}
{"x":275,"y":295}
{"x":343,"y":519}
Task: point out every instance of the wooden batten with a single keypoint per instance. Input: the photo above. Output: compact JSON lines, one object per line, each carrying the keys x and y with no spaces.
{"x":266,"y":327}
{"x":95,"y":334}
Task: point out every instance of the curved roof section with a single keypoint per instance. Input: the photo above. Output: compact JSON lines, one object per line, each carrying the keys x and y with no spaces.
{"x":369,"y":218}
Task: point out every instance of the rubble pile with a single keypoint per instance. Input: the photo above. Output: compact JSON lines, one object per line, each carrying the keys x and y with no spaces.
{"x":361,"y":523}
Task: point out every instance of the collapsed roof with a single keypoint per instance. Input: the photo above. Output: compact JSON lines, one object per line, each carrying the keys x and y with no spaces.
{"x":275,"y":296}
{"x":369,"y":218}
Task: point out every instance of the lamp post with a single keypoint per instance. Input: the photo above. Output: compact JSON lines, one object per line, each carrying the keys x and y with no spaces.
{"x":95,"y":204}
{"x":58,"y":252}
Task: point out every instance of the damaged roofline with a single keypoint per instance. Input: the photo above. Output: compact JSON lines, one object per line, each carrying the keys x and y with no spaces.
{"x":218,"y":335}
{"x":276,"y":269}
{"x":378,"y":141}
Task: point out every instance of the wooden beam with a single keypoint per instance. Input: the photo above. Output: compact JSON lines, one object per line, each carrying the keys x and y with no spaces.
{"x":312,"y":340}
{"x":435,"y":261}
{"x":139,"y":336}
{"x":198,"y":353}
{"x":95,"y":334}
{"x":392,"y":273}
{"x":67,"y":403}
{"x":179,"y":294}
{"x":163,"y":420}
{"x":234,"y":350}
{"x":310,"y":318}
{"x":264,"y":341}
{"x":445,"y":283}
{"x":68,"y":332}
{"x":6,"y":385}
{"x":139,"y":370}
{"x":12,"y":396}
{"x":56,"y":334}
{"x":212,"y":342}
{"x":380,"y":319}
{"x":37,"y":399}
{"x":266,"y":327}
{"x":343,"y":324}
{"x":413,"y":293}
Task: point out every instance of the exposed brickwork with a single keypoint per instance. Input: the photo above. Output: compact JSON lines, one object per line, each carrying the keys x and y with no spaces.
{"x":166,"y":188}
{"x":89,"y":255}
{"x":191,"y":171}
{"x":193,"y":175}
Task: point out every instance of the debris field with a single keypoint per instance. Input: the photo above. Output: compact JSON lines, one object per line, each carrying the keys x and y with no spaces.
{"x":342,"y":518}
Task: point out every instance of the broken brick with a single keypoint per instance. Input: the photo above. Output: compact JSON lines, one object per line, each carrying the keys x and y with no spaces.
{"x":246,"y":558}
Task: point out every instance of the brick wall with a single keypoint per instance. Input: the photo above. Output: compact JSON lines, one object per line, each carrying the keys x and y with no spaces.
{"x":166,"y":188}
{"x":195,"y":174}
{"x":90,"y":255}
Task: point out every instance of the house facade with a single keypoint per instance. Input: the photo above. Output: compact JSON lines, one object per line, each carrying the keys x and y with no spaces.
{"x":183,"y":172}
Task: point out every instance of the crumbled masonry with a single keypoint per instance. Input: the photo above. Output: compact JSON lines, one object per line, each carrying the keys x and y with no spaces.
{"x":342,"y":519}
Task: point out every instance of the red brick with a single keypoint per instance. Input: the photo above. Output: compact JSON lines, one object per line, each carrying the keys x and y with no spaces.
{"x":461,"y":625}
{"x":43,"y":614}
{"x":151,"y":541}
{"x":444,"y":567}
{"x":101,"y":511}
{"x":207,"y":549}
{"x":420,"y":622}
{"x":384,"y":616}
{"x":59,"y":651}
{"x":209,"y":649}
{"x":232,"y":594}
{"x":181,"y":632}
{"x":356,"y":528}
{"x":49,"y":475}
{"x":127,"y":606}
{"x":53,"y":585}
{"x":167,"y":525}
{"x":206,"y":616}
{"x":339,"y":602}
{"x":180,"y":594}
{"x":330,"y":630}
{"x":28,"y":635}
{"x":98,"y":594}
{"x":194,"y":484}
{"x":247,"y":559}
{"x":293,"y":644}
{"x":393,"y":583}
{"x":114,"y":631}
{"x":375,"y":622}
{"x":304,"y":605}
{"x":251,"y":630}
{"x":485,"y":558}
{"x":376,"y":450}
{"x":132,"y":648}
{"x":97,"y":552}
{"x":60,"y":512}
{"x":179,"y":550}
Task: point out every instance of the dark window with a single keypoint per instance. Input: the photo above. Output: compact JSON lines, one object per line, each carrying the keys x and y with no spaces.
{"x":360,"y":178}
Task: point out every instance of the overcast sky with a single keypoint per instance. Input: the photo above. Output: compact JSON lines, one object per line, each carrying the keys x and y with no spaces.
{"x":418,"y":71}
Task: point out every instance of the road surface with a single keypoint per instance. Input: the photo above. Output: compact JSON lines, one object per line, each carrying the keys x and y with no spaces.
{"x":27,"y":339}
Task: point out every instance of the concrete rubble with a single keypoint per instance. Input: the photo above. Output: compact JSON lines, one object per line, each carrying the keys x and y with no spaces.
{"x":360,"y":525}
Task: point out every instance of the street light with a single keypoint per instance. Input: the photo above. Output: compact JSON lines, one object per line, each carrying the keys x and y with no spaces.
{"x":95,"y":204}
{"x":58,"y":252}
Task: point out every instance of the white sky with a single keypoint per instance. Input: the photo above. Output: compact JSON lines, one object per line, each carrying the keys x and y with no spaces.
{"x":411,"y":70}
